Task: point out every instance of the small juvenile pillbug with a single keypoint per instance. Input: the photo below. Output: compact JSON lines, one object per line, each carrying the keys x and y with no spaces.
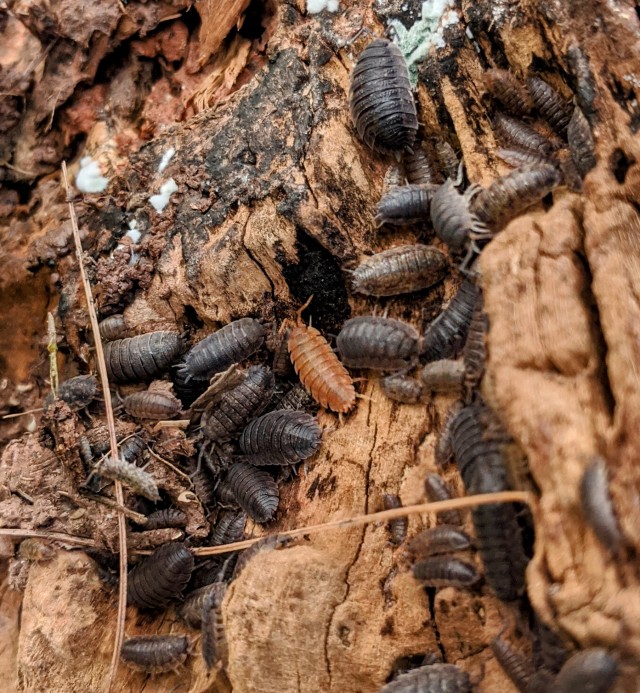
{"x":160,"y":578}
{"x":593,"y":670}
{"x":397,"y":527}
{"x":294,"y":399}
{"x":77,"y":392}
{"x":152,"y":405}
{"x":155,"y":654}
{"x":400,"y":270}
{"x":131,"y":448}
{"x":254,"y":490}
{"x":444,"y":571}
{"x":203,"y":484}
{"x":438,"y":540}
{"x":140,"y":481}
{"x":474,"y":353}
{"x":521,"y":136}
{"x":597,"y":507}
{"x":168,"y":517}
{"x":213,"y":638}
{"x":191,"y":609}
{"x":268,"y":543}
{"x":521,"y":158}
{"x":231,"y":344}
{"x":381,"y":100}
{"x":320,"y":370}
{"x":405,"y":204}
{"x":584,"y":83}
{"x":447,"y":334}
{"x":378,"y":343}
{"x":437,"y":489}
{"x":281,"y":437}
{"x":447,"y":157}
{"x":112,"y":328}
{"x":510,"y":195}
{"x":238,"y":406}
{"x":418,"y":168}
{"x":141,"y":357}
{"x":229,"y":527}
{"x":550,"y":105}
{"x":443,"y":452}
{"x":451,"y":215}
{"x":507,"y":89}
{"x":433,"y":678}
{"x":581,"y":144}
{"x":444,"y":375}
{"x":402,"y":388}
{"x":282,"y":366}
{"x":514,"y":663}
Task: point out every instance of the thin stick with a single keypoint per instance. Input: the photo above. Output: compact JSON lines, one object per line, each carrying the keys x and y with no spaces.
{"x":104,"y":379}
{"x":23,"y":413}
{"x":138,"y":518}
{"x":171,"y":466}
{"x":58,"y":536}
{"x":52,"y":348}
{"x":358,"y":520}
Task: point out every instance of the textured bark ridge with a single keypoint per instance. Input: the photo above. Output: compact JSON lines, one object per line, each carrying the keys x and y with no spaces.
{"x":276,"y":197}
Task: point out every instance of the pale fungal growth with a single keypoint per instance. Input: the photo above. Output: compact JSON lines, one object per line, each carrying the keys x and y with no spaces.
{"x":161,"y":200}
{"x":166,"y":159}
{"x":89,"y":178}
{"x":317,"y":6}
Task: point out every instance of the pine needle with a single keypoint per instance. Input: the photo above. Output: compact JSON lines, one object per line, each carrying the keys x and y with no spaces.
{"x":52,"y":348}
{"x":122,"y":534}
{"x":43,"y":534}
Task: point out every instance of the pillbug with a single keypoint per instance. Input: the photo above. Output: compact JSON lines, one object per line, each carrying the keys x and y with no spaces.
{"x":508,"y":90}
{"x":152,"y":405}
{"x":550,"y":105}
{"x":474,"y":353}
{"x":584,"y":84}
{"x":131,"y":448}
{"x":254,"y":490}
{"x":229,"y":527}
{"x":400,"y":270}
{"x":169,"y":517}
{"x":77,"y":392}
{"x":294,"y":399}
{"x":238,"y":406}
{"x":451,"y":215}
{"x":204,"y":485}
{"x":439,"y":539}
{"x":268,"y":543}
{"x":402,"y":388}
{"x":593,"y":671}
{"x":34,"y":549}
{"x":112,"y":328}
{"x":140,"y":481}
{"x":231,"y":344}
{"x":597,"y":507}
{"x":160,"y":578}
{"x":405,"y":204}
{"x":510,"y":195}
{"x":282,"y":366}
{"x":514,"y":663}
{"x":281,"y":437}
{"x":521,"y":136}
{"x":443,"y":452}
{"x":381,"y":100}
{"x":444,"y":375}
{"x":447,"y":158}
{"x":213,"y":639}
{"x":444,"y":571}
{"x":447,"y":334}
{"x":482,"y":467}
{"x":215,"y":458}
{"x":521,"y":158}
{"x":437,"y":489}
{"x":418,"y":167}
{"x":433,"y":678}
{"x":398,"y":527}
{"x":551,"y":652}
{"x":155,"y":654}
{"x":378,"y":343}
{"x":142,"y":357}
{"x":191,"y":609}
{"x":320,"y":371}
{"x":581,"y":144}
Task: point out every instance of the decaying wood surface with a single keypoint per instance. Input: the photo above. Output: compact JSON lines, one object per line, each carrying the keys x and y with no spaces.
{"x":275,"y":197}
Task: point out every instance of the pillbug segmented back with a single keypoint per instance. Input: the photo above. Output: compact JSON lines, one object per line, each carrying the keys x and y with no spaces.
{"x":402,"y":388}
{"x":550,"y":105}
{"x":433,"y":678}
{"x":444,"y":571}
{"x":254,"y":490}
{"x":155,"y":654}
{"x":142,"y":357}
{"x":405,"y":204}
{"x":451,"y":215}
{"x":397,"y":527}
{"x":152,"y":405}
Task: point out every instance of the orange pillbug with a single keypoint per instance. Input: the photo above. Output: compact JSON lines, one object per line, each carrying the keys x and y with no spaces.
{"x":319,"y":369}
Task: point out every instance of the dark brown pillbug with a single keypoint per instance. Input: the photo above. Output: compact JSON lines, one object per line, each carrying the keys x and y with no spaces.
{"x":444,"y":375}
{"x":191,"y":609}
{"x":584,"y":84}
{"x":402,"y":388}
{"x":140,"y":481}
{"x":152,"y":405}
{"x":381,"y":100}
{"x":447,"y":334}
{"x":229,"y":527}
{"x":281,"y":437}
{"x":451,"y":215}
{"x":550,"y":105}
{"x":521,"y":136}
{"x":405,"y":204}
{"x":254,"y":490}
{"x":436,"y":490}
{"x":597,"y":507}
{"x":447,"y":157}
{"x":509,"y":91}
{"x":142,"y":357}
{"x":474,"y":353}
{"x":169,"y":517}
{"x":510,"y":195}
{"x":400,"y":270}
{"x":551,"y":652}
{"x":439,"y":539}
{"x":378,"y":343}
{"x":213,"y":639}
{"x":514,"y":663}
{"x":581,"y":144}
{"x":294,"y":399}
{"x":593,"y":670}
{"x":443,"y":452}
{"x":418,"y":167}
{"x":282,"y":366}
{"x":397,"y":527}
{"x":521,"y":158}
{"x":77,"y":392}
{"x":433,"y":678}
{"x":131,"y":448}
{"x":215,"y":457}
{"x":112,"y":328}
{"x":160,"y":578}
{"x":155,"y":654}
{"x":444,"y":571}
{"x":231,"y":344}
{"x":203,"y":484}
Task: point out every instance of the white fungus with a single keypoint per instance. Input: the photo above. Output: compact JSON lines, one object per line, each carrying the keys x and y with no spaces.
{"x":166,"y":158}
{"x":160,"y":201}
{"x":316,"y":6}
{"x":89,"y":178}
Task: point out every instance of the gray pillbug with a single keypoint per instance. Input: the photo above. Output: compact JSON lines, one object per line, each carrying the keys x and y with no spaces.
{"x":112,"y":328}
{"x":77,"y":392}
{"x":141,"y":357}
{"x":281,"y":437}
{"x":444,"y":571}
{"x":381,"y":100}
{"x":152,"y":405}
{"x":131,"y":448}
{"x":436,"y":490}
{"x":400,"y":270}
{"x":447,"y":157}
{"x":510,"y":195}
{"x":238,"y":406}
{"x":169,"y":517}
{"x":294,"y":399}
{"x":521,"y":136}
{"x":451,"y":214}
{"x":521,"y":158}
{"x":443,"y":452}
{"x":378,"y":343}
{"x":550,"y":105}
{"x":254,"y":490}
{"x":581,"y":144}
{"x":160,"y":578}
{"x":140,"y":481}
{"x":584,"y":83}
{"x":402,"y":388}
{"x":514,"y":663}
{"x":213,"y":638}
{"x":231,"y":344}
{"x":405,"y":204}
{"x":444,"y":375}
{"x":507,"y":89}
{"x":397,"y":527}
{"x":229,"y":527}
{"x":439,"y":539}
{"x":474,"y":353}
{"x":593,"y":671}
{"x":191,"y":609}
{"x":155,"y":654}
{"x":597,"y":507}
{"x":433,"y":678}
{"x":418,"y":168}
{"x":447,"y":334}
